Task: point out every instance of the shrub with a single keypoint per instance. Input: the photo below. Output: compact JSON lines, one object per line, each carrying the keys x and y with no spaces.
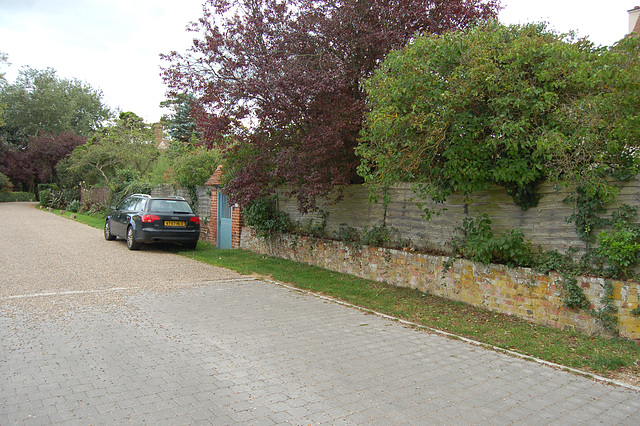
{"x":56,"y":198}
{"x":93,"y":208}
{"x":379,"y":236}
{"x":5,"y":184}
{"x":511,"y":248}
{"x":8,"y":197}
{"x":46,"y":187}
{"x":45,"y":197}
{"x":347,"y":233}
{"x":127,"y":182}
{"x":195,"y":167}
{"x":547,"y":261}
{"x":74,"y":206}
{"x":312,"y":227}
{"x":478,"y":243}
{"x":475,"y":241}
{"x":620,"y":246}
{"x":263,"y":216}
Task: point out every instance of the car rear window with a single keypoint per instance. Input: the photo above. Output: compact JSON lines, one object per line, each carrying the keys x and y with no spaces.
{"x":169,"y":206}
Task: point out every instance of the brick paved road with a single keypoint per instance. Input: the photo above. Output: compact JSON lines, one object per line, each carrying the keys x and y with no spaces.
{"x":219,"y":348}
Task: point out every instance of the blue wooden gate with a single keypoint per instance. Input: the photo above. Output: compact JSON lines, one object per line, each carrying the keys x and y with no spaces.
{"x":224,"y":221}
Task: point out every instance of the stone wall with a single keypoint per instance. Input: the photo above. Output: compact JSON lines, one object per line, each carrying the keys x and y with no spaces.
{"x":515,"y":291}
{"x":544,"y":225}
{"x":94,"y":195}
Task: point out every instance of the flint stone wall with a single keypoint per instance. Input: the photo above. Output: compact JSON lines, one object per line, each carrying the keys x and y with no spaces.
{"x":514,"y":291}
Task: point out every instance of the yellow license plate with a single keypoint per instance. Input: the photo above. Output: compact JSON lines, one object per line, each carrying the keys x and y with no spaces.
{"x":173,"y":223}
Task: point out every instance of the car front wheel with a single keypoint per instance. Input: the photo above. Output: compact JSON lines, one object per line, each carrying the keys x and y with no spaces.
{"x":131,"y":242}
{"x":107,"y":232}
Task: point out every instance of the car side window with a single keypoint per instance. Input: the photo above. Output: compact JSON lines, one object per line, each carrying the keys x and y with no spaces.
{"x":138,"y":205}
{"x":124,"y":204}
{"x":131,"y":205}
{"x":141,"y":204}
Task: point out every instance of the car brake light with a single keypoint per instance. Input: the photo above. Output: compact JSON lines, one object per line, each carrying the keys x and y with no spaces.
{"x":148,"y":218}
{"x":195,"y":220}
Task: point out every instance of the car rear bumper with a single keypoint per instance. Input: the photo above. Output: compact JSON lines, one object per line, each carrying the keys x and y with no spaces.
{"x":151,"y":235}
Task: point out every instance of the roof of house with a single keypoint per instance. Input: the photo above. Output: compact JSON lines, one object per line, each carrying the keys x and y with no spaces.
{"x":636,"y":28}
{"x":216,"y":178}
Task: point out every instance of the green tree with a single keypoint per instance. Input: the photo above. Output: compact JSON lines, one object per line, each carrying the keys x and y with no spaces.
{"x":195,"y":167}
{"x":4,"y":59}
{"x":41,"y":102}
{"x":600,"y":131}
{"x":498,"y":105}
{"x":183,"y":127}
{"x":294,"y":69}
{"x":5,"y":183}
{"x":46,"y":151}
{"x":128,"y":144}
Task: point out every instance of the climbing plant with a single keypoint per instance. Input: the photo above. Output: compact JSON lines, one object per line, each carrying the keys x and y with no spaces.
{"x":620,"y":246}
{"x":476,"y":241}
{"x":502,"y":105}
{"x":588,"y":210}
{"x":263,"y":216}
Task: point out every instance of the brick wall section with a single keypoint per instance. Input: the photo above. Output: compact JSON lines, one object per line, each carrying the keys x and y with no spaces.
{"x":515,"y":291}
{"x":237,"y":223}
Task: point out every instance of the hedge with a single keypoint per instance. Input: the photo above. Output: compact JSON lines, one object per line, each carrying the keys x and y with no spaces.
{"x":8,"y":197}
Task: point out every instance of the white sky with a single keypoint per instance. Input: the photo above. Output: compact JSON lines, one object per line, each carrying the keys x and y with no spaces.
{"x":113,"y":45}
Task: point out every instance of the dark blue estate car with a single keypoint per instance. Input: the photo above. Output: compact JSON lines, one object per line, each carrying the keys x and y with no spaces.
{"x":142,"y":219}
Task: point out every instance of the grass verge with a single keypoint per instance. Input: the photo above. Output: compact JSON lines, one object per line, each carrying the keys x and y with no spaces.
{"x":607,"y":357}
{"x":93,"y":221}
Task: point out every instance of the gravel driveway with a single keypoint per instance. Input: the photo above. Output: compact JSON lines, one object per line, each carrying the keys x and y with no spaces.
{"x":43,"y":253}
{"x":93,"y":333}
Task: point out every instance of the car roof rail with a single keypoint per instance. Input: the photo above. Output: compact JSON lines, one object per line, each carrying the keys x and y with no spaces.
{"x":141,"y":195}
{"x":177,"y":197}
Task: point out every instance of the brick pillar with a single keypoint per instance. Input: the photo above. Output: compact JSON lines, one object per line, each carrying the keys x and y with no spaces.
{"x":214,"y":183}
{"x":213,"y":221}
{"x":237,"y":223}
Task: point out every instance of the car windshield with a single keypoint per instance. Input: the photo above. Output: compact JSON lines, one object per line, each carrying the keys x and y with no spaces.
{"x":169,"y":206}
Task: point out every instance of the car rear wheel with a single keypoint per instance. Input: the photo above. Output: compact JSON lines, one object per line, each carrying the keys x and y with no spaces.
{"x":107,"y":232}
{"x":190,"y":246}
{"x":131,"y":242}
